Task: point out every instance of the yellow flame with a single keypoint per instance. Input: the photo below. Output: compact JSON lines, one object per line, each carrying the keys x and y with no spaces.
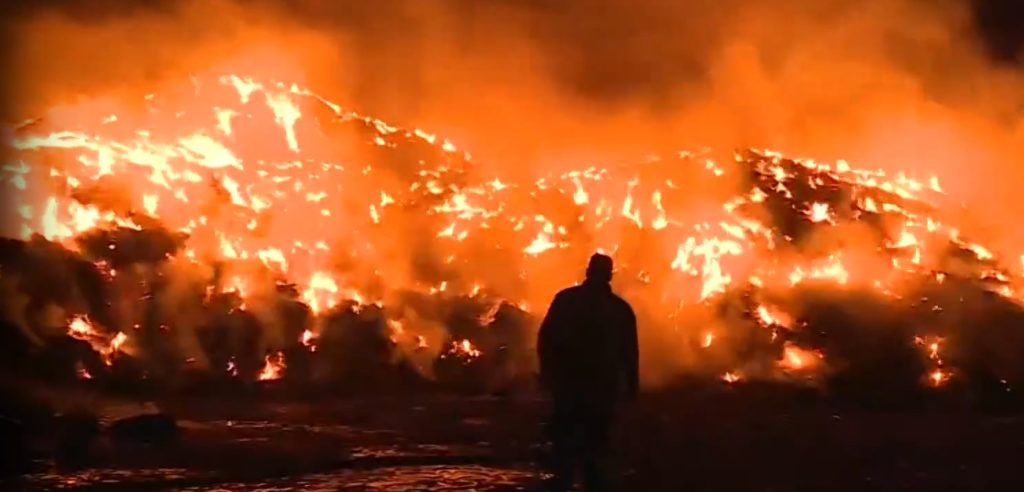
{"x":709,"y":337}
{"x":273,"y":367}
{"x":795,"y":358}
{"x":820,"y":212}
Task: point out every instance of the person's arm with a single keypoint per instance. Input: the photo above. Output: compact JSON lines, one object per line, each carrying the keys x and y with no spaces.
{"x":631,"y":353}
{"x":545,"y":341}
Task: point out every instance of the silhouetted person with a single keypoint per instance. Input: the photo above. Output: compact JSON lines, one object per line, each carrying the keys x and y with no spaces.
{"x":588,"y":362}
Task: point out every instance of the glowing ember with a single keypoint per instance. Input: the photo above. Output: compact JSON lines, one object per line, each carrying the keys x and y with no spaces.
{"x":820,"y":212}
{"x":709,"y":337}
{"x":309,"y":340}
{"x":464,"y":349}
{"x":81,"y":372}
{"x":831,"y":269}
{"x":731,"y":377}
{"x":937,"y":376}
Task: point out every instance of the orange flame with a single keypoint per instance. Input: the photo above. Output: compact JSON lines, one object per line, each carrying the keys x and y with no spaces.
{"x":82,"y":329}
{"x":114,"y":347}
{"x":273,"y":367}
{"x":795,"y":358}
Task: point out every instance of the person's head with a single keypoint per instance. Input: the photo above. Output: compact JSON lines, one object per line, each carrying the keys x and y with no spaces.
{"x":600,"y":268}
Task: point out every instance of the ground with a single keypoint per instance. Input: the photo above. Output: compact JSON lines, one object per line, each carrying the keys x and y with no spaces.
{"x":686,"y":439}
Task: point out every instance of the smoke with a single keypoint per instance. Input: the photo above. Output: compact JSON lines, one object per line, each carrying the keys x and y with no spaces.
{"x":534,"y":86}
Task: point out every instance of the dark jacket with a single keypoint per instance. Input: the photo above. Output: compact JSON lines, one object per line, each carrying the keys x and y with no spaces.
{"x":587,"y":344}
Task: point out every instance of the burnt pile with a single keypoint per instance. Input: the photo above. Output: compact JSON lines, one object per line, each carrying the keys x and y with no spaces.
{"x":895,"y":301}
{"x":235,"y":233}
{"x":356,"y":346}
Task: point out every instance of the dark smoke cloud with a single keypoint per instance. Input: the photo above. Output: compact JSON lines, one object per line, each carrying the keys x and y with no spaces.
{"x":1001,"y":24}
{"x":602,"y":50}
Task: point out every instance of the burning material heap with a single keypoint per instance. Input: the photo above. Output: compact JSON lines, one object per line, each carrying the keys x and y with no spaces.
{"x":258,"y":231}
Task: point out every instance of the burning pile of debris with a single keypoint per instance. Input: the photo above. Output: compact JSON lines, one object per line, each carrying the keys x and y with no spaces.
{"x":237,"y":230}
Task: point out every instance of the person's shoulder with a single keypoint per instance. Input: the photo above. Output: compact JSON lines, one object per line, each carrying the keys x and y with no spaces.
{"x":622,"y":303}
{"x":568,"y":291}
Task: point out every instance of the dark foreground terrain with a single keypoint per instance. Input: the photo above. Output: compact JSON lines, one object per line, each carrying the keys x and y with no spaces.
{"x":689,"y":439}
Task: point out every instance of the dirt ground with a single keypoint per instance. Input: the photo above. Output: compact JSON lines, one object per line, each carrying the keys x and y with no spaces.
{"x":686,"y":439}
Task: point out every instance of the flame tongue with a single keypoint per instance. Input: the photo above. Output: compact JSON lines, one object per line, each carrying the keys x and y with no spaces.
{"x":81,"y":328}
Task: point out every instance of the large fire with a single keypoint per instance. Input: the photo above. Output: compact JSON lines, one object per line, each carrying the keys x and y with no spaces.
{"x":257,"y":188}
